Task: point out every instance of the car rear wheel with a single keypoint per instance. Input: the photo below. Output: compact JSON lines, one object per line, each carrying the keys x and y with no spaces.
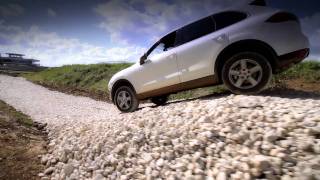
{"x":126,"y":99}
{"x":246,"y":73}
{"x":160,"y":100}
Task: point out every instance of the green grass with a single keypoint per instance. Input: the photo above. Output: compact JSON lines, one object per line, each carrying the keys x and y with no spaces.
{"x":94,"y":78}
{"x":9,"y":113}
{"x":309,"y":71}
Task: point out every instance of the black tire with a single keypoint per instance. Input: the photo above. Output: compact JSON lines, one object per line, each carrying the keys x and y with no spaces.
{"x":132,"y":102}
{"x":240,"y":81}
{"x":160,"y":100}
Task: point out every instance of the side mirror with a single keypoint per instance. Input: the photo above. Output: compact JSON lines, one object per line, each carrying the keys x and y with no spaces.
{"x":143,"y":58}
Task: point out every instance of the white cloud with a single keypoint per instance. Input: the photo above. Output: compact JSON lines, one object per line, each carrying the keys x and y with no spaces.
{"x":54,"y":50}
{"x":128,"y":23}
{"x":51,"y":13}
{"x":137,"y":21}
{"x":5,"y":27}
{"x":143,"y":22}
{"x":11,"y":10}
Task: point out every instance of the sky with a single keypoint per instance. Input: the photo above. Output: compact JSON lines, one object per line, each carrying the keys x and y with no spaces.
{"x":60,"y":32}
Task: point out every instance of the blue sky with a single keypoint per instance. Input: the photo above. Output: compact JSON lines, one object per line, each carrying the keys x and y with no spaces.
{"x":62,"y":32}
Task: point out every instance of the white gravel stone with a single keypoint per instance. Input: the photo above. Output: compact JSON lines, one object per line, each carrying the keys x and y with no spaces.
{"x":49,"y":171}
{"x":221,"y":176}
{"x":68,"y":169}
{"x":44,"y":160}
{"x":236,"y":136}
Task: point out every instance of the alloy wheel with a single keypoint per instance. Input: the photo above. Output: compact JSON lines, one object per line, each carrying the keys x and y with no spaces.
{"x":245,"y":73}
{"x":124,"y":100}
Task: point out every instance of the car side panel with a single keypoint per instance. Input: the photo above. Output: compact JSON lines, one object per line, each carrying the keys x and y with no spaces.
{"x":196,"y":83}
{"x":158,"y":72}
{"x":195,"y":57}
{"x":284,"y":37}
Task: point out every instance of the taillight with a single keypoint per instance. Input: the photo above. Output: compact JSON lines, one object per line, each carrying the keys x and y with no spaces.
{"x":282,"y":17}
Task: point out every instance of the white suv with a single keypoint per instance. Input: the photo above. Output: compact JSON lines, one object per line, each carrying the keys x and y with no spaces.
{"x":240,"y":48}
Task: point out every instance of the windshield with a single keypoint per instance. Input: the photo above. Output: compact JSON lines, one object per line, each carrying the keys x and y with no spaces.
{"x":165,"y":44}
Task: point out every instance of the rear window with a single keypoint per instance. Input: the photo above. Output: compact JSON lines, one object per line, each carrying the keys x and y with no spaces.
{"x":195,"y":30}
{"x":225,"y":19}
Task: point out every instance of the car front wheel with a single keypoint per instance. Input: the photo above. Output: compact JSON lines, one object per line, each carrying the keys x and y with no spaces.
{"x":246,"y":73}
{"x":125,"y":99}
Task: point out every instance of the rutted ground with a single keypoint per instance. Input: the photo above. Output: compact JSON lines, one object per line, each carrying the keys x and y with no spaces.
{"x":240,"y":137}
{"x":21,"y":144}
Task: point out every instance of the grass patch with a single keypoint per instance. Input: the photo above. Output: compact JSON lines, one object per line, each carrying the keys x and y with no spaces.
{"x":8,"y":112}
{"x":93,"y":79}
{"x":20,"y":143}
{"x":308,"y":71}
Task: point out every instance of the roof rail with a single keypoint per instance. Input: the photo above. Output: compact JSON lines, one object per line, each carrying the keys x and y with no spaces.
{"x":258,"y":3}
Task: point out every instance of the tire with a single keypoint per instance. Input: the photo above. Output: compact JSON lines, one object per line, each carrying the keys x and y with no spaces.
{"x":125,"y":99}
{"x":246,"y":73}
{"x":160,"y":100}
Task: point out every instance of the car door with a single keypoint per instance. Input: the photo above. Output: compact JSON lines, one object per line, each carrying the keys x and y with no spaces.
{"x":200,"y":41}
{"x":195,"y":50}
{"x":159,"y":70}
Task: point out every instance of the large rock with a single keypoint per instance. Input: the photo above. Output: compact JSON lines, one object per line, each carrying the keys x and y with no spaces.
{"x":68,"y":169}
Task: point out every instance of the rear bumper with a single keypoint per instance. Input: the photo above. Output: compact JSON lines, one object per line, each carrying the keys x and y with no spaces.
{"x":287,"y":60}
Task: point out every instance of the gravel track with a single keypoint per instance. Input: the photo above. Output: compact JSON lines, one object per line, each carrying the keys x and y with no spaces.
{"x":230,"y":137}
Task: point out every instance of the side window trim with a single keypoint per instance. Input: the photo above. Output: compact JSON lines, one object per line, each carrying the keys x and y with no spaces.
{"x":178,"y":35}
{"x":214,"y":23}
{"x":155,"y":45}
{"x":178,"y":32}
{"x":152,"y":48}
{"x":245,"y":14}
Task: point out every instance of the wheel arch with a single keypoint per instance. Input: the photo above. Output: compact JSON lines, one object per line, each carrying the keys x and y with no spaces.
{"x":251,"y":45}
{"x":119,"y":83}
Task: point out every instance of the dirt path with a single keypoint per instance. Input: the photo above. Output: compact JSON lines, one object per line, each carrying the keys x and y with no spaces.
{"x":237,"y":137}
{"x":21,"y":144}
{"x":40,"y":103}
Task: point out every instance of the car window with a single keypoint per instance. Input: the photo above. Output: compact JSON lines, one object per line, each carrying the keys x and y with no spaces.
{"x":195,"y":30}
{"x":166,"y":43}
{"x":157,"y":50}
{"x":225,"y":19}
